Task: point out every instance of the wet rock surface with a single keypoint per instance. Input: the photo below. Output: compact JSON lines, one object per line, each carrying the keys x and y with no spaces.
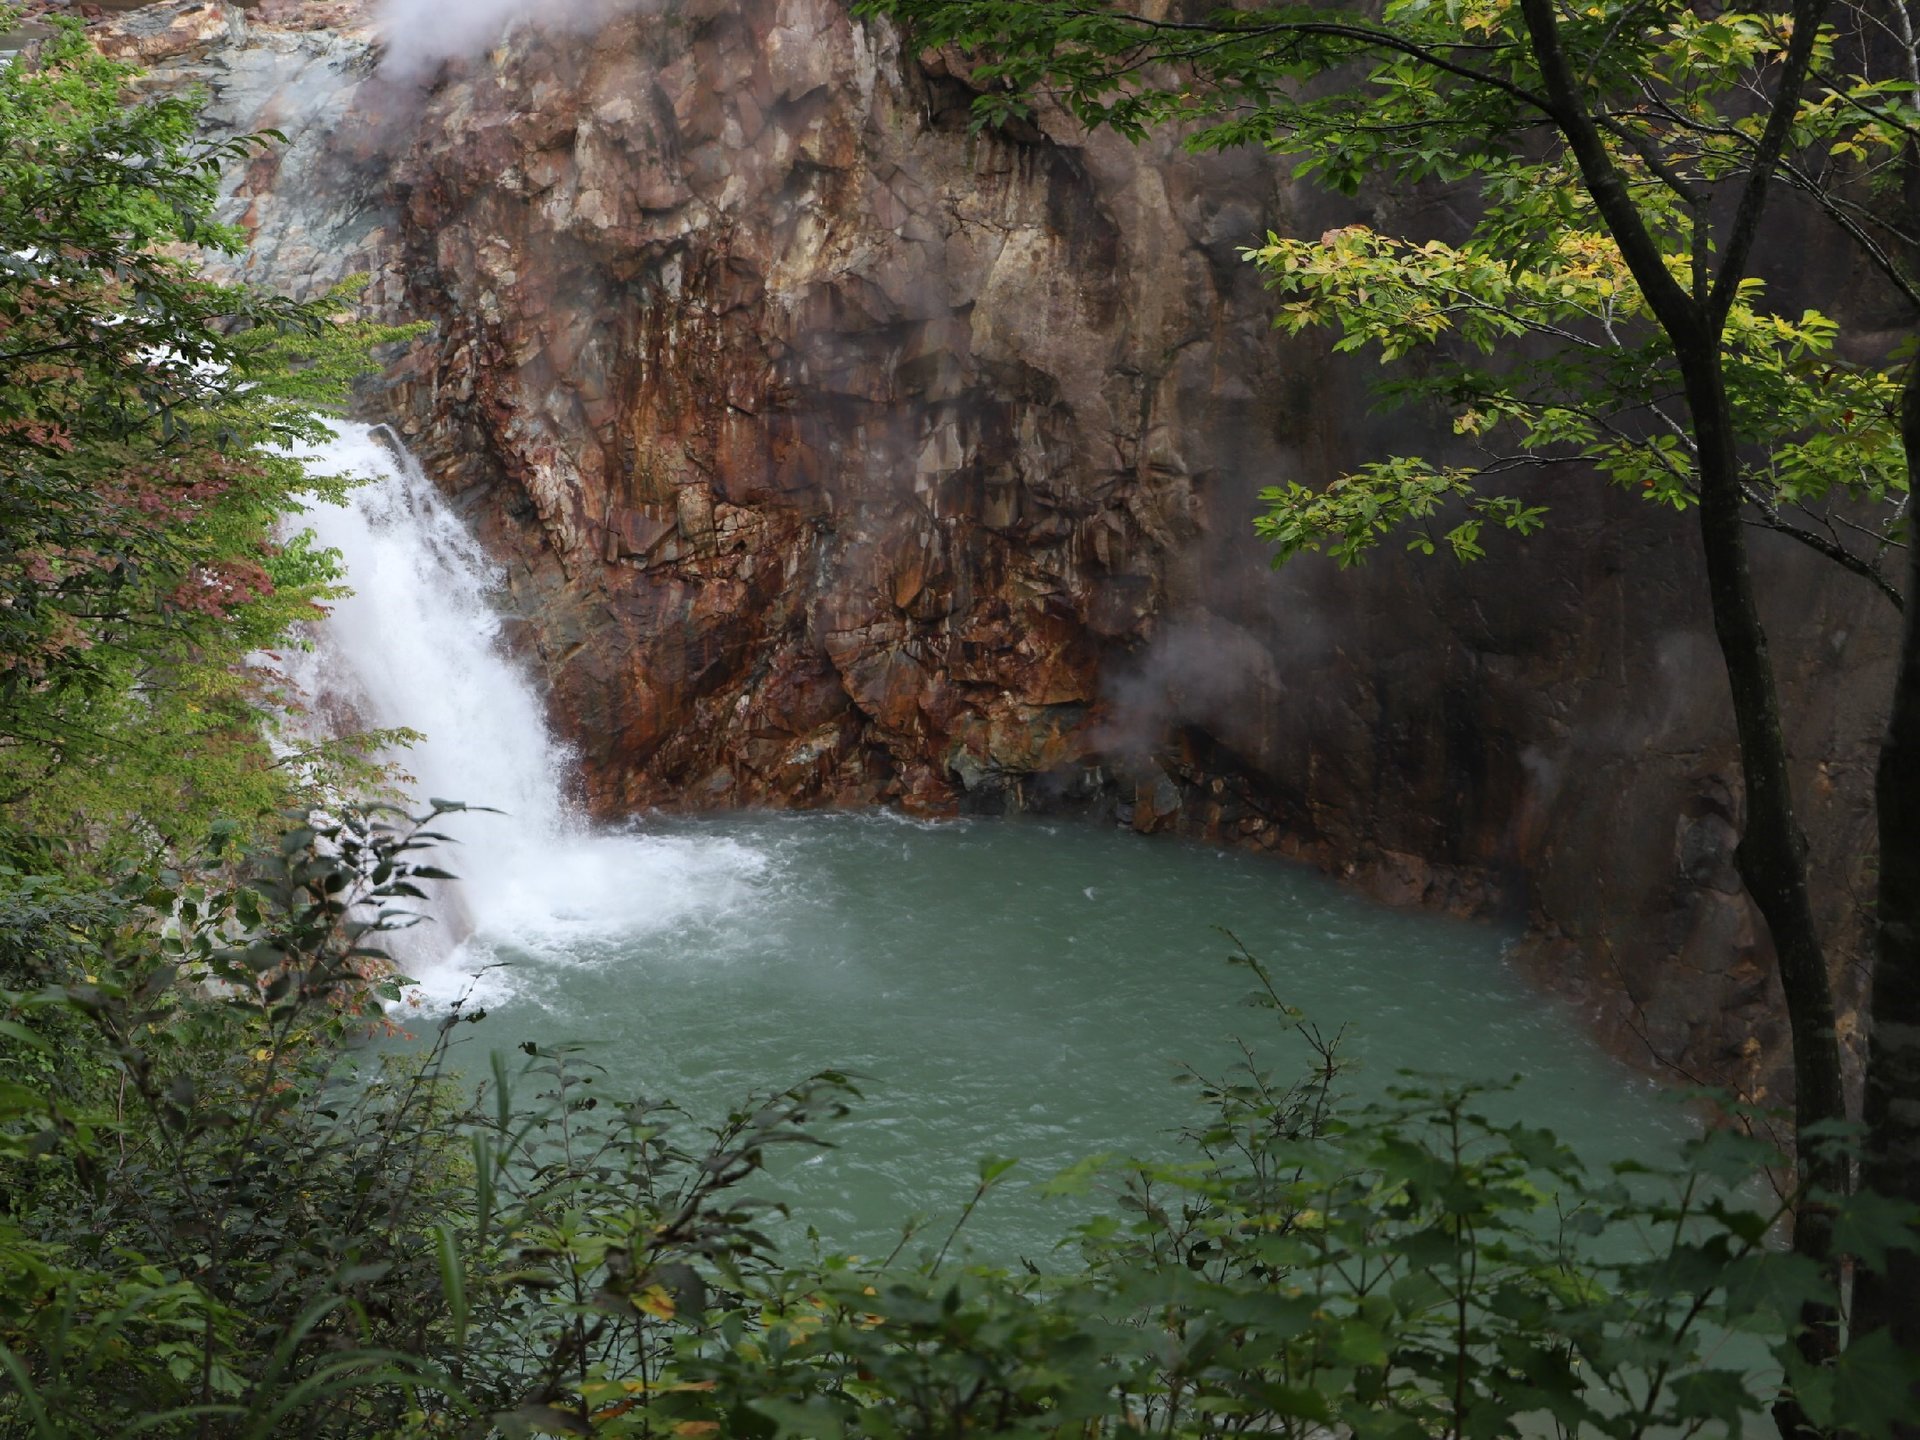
{"x":836,"y":456}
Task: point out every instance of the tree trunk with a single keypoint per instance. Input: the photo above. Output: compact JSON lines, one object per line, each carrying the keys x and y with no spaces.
{"x":1772,"y":851}
{"x":1890,"y":1299}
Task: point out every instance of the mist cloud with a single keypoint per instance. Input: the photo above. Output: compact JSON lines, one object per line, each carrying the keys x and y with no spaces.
{"x":421,"y":33}
{"x":1200,"y":669}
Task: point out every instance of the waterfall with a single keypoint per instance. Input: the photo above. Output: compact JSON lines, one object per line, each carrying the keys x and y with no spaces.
{"x":417,"y":645}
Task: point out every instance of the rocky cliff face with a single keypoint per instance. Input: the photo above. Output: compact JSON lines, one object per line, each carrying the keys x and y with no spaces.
{"x":841,"y":456}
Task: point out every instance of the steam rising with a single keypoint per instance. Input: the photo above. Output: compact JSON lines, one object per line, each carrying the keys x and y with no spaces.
{"x":1203,"y":669}
{"x":422,"y":33}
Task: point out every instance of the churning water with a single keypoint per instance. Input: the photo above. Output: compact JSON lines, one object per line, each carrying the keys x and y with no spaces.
{"x":1008,"y":988}
{"x":417,"y":645}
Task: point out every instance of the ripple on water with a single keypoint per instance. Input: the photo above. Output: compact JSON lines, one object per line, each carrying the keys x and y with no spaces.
{"x":1007,"y":988}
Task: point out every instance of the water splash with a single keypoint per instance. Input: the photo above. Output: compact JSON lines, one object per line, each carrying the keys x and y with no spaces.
{"x":418,"y":645}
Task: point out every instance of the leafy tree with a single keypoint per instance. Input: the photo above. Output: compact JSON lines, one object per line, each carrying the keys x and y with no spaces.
{"x":172,"y":1130}
{"x":1603,"y":307}
{"x":141,"y":486}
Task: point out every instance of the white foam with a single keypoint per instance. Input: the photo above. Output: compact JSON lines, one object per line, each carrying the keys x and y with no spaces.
{"x":418,"y":645}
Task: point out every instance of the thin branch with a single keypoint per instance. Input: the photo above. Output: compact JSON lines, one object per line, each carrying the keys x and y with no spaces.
{"x":1771,"y":519}
{"x":1836,"y":210}
{"x":1676,"y":310}
{"x":1364,"y":36}
{"x":1745,"y":229}
{"x":1883,"y":539}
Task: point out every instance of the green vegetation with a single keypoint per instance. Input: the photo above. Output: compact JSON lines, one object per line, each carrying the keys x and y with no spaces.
{"x":220,"y":1216}
{"x":140,"y":489}
{"x":206,"y":1230}
{"x":258,"y":1239}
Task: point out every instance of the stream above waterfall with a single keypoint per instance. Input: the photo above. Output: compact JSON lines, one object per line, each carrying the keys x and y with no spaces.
{"x":1004,"y":987}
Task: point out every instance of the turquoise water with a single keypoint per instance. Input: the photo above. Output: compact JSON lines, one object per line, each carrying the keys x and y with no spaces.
{"x":1009,"y":988}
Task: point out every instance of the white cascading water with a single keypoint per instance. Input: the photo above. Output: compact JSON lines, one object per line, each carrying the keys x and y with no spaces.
{"x":417,"y":645}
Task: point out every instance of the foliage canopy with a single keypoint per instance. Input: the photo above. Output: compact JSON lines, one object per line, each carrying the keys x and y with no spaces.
{"x":141,"y":484}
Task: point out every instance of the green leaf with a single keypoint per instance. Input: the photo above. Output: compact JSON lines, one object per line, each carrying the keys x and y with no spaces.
{"x":32,"y":1039}
{"x":453,"y":1281}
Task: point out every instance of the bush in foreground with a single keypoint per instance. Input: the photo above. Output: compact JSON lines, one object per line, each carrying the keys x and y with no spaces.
{"x":227,"y":1217}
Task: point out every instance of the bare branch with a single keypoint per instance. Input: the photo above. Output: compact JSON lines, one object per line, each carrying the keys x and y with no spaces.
{"x":1772,"y":519}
